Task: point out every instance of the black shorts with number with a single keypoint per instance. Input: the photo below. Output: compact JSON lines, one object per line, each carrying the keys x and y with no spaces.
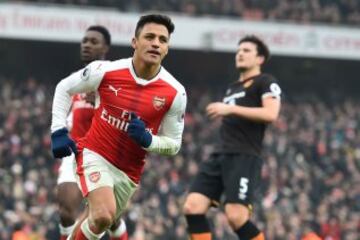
{"x":237,"y":175}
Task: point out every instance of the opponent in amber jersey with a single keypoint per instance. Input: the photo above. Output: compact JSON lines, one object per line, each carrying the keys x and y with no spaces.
{"x":139,"y":108}
{"x":94,"y":46}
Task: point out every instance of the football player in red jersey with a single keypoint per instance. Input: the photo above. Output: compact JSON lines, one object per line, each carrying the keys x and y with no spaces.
{"x":94,"y":46}
{"x":139,"y":108}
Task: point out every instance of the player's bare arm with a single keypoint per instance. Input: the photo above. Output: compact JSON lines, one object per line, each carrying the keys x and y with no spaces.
{"x":268,"y":113}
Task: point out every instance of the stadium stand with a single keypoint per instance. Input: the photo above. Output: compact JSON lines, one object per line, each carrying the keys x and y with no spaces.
{"x":312,"y":171}
{"x":306,"y":11}
{"x":312,"y":153}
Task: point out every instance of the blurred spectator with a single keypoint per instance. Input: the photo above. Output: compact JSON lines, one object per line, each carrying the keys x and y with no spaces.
{"x":330,"y":12}
{"x":312,"y":171}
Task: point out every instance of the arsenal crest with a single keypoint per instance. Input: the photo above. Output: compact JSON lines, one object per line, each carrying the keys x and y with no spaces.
{"x":94,"y":176}
{"x":158,"y":102}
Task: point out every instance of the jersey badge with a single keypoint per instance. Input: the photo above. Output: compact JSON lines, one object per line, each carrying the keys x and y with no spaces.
{"x":159,"y":102}
{"x":85,"y":74}
{"x":94,"y":177}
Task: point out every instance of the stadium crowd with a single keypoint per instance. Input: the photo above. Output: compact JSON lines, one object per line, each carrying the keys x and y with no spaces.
{"x":304,"y":11}
{"x":312,"y":171}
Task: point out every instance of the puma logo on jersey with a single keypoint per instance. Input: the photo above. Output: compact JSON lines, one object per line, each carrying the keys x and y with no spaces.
{"x":116,"y":90}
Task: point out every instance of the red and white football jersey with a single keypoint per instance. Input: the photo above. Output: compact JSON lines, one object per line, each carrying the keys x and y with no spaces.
{"x":79,"y":120}
{"x":159,"y":102}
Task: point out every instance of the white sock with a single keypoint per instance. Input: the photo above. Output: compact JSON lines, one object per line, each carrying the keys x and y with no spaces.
{"x":120,"y":230}
{"x":66,"y":231}
{"x":85,"y":228}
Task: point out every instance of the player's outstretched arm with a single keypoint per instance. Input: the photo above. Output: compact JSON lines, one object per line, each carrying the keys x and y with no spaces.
{"x":267,"y":113}
{"x":84,"y":80}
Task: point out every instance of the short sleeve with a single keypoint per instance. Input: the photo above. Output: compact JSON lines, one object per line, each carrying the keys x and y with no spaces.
{"x":269,"y":87}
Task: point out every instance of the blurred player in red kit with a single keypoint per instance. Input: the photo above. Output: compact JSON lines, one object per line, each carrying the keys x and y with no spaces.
{"x":139,"y":108}
{"x":94,"y":46}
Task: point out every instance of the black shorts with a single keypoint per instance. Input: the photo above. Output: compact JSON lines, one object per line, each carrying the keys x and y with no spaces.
{"x":237,"y":175}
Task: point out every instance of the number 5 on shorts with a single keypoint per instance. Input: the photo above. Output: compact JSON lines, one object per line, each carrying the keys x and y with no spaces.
{"x":243,"y":188}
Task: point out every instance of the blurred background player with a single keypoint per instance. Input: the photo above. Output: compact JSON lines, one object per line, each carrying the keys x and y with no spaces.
{"x":94,"y":46}
{"x":234,"y":169}
{"x":110,"y":158}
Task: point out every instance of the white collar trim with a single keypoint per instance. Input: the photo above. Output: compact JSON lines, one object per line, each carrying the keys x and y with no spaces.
{"x":142,"y":81}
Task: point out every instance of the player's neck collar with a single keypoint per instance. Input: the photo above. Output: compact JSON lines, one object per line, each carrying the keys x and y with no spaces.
{"x":248,"y":79}
{"x":142,"y":81}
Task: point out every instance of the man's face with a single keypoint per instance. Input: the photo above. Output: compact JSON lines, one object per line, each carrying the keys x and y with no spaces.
{"x":93,"y":47}
{"x":152,"y":43}
{"x":247,"y":56}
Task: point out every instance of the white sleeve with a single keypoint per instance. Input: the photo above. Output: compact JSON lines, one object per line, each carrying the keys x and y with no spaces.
{"x":85,"y":80}
{"x":168,"y":141}
{"x":69,"y":121}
